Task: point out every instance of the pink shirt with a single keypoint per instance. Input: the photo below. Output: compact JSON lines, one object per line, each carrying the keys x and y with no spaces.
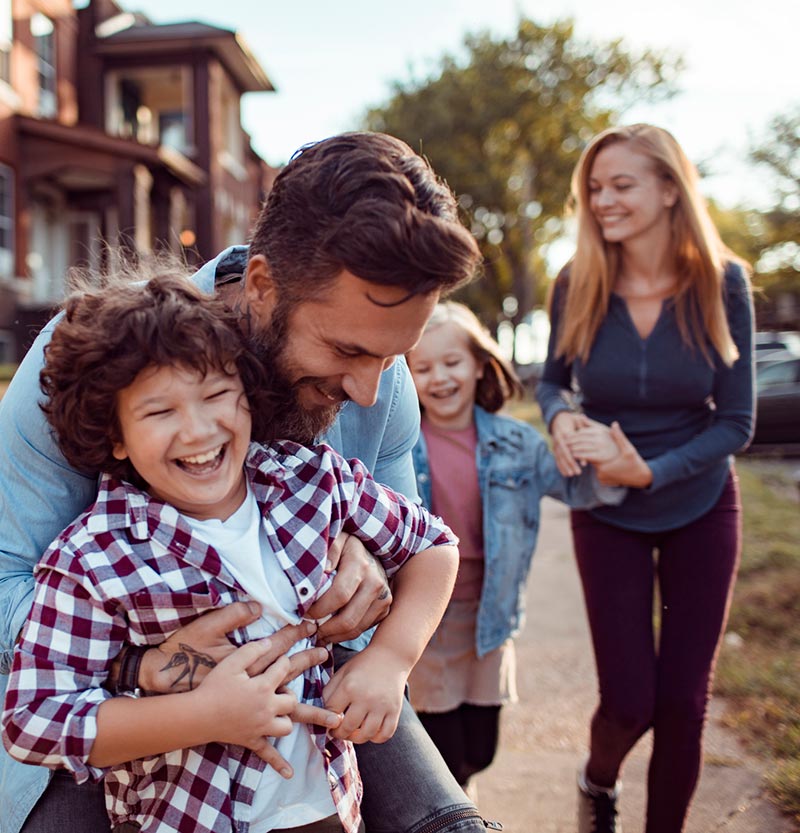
{"x":456,"y":498}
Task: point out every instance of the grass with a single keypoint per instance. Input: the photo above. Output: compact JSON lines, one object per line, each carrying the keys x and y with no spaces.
{"x":759,"y":668}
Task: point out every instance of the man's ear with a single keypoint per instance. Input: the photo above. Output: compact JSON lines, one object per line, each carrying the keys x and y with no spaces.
{"x":260,"y":291}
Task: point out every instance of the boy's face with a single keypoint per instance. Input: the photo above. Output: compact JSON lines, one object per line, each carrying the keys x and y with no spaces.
{"x":187,"y":436}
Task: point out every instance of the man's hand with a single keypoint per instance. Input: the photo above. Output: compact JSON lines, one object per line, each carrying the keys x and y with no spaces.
{"x":368,"y":689}
{"x":183,"y":660}
{"x":359,"y":596}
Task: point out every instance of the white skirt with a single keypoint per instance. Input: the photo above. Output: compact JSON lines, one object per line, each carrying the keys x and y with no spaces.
{"x":450,"y":673}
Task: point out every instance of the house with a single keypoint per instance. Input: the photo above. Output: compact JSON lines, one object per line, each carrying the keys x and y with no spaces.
{"x":115,"y":131}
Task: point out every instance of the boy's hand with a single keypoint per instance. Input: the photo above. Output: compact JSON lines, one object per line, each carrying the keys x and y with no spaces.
{"x":369,"y":691}
{"x":359,"y":596}
{"x":248,"y":710}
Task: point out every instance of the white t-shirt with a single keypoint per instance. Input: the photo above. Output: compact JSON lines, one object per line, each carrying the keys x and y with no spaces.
{"x":244,"y":549}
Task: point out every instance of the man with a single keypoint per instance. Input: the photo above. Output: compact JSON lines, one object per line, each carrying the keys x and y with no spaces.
{"x":355,"y":244}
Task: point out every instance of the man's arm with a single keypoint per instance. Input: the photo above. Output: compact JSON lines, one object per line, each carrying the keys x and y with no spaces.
{"x":40,"y":493}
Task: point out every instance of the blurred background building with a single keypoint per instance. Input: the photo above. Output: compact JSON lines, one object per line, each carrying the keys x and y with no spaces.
{"x":115,"y":131}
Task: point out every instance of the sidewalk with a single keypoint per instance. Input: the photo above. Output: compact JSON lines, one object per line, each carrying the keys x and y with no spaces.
{"x":531,"y":785}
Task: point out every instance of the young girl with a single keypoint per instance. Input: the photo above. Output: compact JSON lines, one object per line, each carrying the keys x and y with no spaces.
{"x":485,"y":474}
{"x":151,"y":383}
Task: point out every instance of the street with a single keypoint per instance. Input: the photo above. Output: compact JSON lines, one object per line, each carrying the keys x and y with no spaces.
{"x":531,"y":785}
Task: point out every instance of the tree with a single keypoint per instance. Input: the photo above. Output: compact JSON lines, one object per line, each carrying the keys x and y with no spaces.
{"x":504,"y":125}
{"x":778,"y":265}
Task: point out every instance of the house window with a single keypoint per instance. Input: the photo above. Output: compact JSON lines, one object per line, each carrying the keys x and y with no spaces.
{"x":5,"y":41}
{"x":44,"y":38}
{"x":6,"y":222}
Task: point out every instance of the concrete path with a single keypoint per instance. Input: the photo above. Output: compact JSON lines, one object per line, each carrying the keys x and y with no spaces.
{"x":531,"y":785}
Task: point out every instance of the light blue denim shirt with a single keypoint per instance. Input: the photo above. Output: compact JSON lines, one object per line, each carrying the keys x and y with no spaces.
{"x":515,"y":470}
{"x":40,"y":494}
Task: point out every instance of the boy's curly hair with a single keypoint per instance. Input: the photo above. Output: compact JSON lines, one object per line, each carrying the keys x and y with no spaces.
{"x":108,"y":335}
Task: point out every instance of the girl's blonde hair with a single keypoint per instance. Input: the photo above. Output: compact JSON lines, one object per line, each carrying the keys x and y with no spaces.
{"x":499,"y":382}
{"x":698,"y":252}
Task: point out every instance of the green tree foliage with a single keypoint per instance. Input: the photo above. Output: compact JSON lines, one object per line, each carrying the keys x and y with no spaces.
{"x":504,"y":124}
{"x":778,"y":266}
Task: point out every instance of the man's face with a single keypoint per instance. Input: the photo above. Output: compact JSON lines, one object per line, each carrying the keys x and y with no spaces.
{"x":335,"y":347}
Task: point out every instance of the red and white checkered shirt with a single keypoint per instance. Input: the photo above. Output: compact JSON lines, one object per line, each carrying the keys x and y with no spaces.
{"x":130,"y":570}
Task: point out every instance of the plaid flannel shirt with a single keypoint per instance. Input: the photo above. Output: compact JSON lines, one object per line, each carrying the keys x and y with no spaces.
{"x":129,"y":570}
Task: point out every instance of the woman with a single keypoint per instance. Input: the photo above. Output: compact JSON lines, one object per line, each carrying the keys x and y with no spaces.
{"x":651,"y":332}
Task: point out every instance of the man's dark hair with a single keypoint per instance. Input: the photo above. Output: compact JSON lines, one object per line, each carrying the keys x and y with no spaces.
{"x":364,"y":202}
{"x":109,"y":335}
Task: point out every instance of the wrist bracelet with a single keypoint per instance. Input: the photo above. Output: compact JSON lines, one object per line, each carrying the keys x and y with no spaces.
{"x":130,"y":661}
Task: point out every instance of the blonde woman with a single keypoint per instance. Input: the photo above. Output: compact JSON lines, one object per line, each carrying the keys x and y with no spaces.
{"x":651,"y":332}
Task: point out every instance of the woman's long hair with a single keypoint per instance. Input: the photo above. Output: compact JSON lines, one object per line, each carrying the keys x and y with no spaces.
{"x":698,"y":252}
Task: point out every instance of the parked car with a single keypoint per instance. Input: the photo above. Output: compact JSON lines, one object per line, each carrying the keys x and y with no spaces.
{"x":776,"y":346}
{"x":778,"y":401}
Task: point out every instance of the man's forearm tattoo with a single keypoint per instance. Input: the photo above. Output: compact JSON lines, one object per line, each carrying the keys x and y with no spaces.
{"x":189,"y":660}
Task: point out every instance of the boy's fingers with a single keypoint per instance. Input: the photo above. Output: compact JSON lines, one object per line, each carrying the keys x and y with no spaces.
{"x":219,"y":623}
{"x":255,"y":653}
{"x":281,"y":641}
{"x":303,"y":660}
{"x":267,"y":752}
{"x":305,"y":713}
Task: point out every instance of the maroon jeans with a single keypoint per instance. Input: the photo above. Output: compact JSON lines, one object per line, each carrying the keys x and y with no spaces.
{"x":666,"y":686}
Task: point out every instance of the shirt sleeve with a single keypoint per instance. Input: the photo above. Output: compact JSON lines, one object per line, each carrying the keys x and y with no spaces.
{"x":553,"y":388}
{"x":40,"y":493}
{"x":392,"y":527}
{"x":55,"y":687}
{"x":732,"y":423}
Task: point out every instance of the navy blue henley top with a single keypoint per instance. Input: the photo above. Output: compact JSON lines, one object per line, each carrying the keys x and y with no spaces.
{"x":685,"y":416}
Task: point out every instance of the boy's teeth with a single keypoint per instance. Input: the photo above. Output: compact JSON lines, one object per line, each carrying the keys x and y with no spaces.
{"x":202,"y":458}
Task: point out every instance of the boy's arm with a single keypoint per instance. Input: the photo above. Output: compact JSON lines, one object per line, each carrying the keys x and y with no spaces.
{"x":369,"y":688}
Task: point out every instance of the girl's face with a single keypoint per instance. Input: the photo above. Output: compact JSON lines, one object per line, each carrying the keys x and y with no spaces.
{"x":626,"y":196}
{"x":187,"y":436}
{"x":445,"y":375}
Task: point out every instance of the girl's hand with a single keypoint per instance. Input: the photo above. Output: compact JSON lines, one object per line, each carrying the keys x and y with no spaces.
{"x":248,"y":710}
{"x":593,"y":443}
{"x":627,"y":468}
{"x":563,"y":427}
{"x":369,"y":690}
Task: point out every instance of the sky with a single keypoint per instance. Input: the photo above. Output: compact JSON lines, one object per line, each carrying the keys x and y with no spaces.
{"x":332,"y":59}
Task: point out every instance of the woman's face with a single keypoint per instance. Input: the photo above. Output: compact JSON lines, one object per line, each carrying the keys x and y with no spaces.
{"x":627,"y":198}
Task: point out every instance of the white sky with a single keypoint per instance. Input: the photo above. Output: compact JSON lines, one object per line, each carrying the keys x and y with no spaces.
{"x":331,"y":59}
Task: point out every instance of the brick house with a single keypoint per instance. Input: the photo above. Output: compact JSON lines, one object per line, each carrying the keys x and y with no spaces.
{"x":115,"y":129}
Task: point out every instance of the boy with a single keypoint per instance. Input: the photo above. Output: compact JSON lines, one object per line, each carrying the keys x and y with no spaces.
{"x":152,"y":385}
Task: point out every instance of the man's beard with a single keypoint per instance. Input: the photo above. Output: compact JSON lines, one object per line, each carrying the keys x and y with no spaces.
{"x":292,"y":420}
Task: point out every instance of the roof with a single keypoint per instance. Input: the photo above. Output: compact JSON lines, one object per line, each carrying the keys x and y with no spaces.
{"x":163,"y":38}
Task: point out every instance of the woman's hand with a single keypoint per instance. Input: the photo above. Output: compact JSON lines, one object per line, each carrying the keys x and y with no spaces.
{"x":627,"y":468}
{"x":593,"y":442}
{"x":563,"y":428}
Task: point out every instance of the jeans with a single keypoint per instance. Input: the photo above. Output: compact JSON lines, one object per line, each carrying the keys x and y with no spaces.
{"x":407,"y":789}
{"x":665,"y":686}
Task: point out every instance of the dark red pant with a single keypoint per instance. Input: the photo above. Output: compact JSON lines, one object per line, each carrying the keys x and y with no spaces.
{"x":666,"y":686}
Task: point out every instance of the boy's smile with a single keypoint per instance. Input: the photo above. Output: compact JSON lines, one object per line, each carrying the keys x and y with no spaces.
{"x":187,"y":436}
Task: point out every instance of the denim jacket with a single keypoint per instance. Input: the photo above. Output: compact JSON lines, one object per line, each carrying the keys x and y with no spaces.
{"x":515,"y":470}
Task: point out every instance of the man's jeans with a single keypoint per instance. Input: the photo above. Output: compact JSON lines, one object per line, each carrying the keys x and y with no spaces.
{"x":407,"y":789}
